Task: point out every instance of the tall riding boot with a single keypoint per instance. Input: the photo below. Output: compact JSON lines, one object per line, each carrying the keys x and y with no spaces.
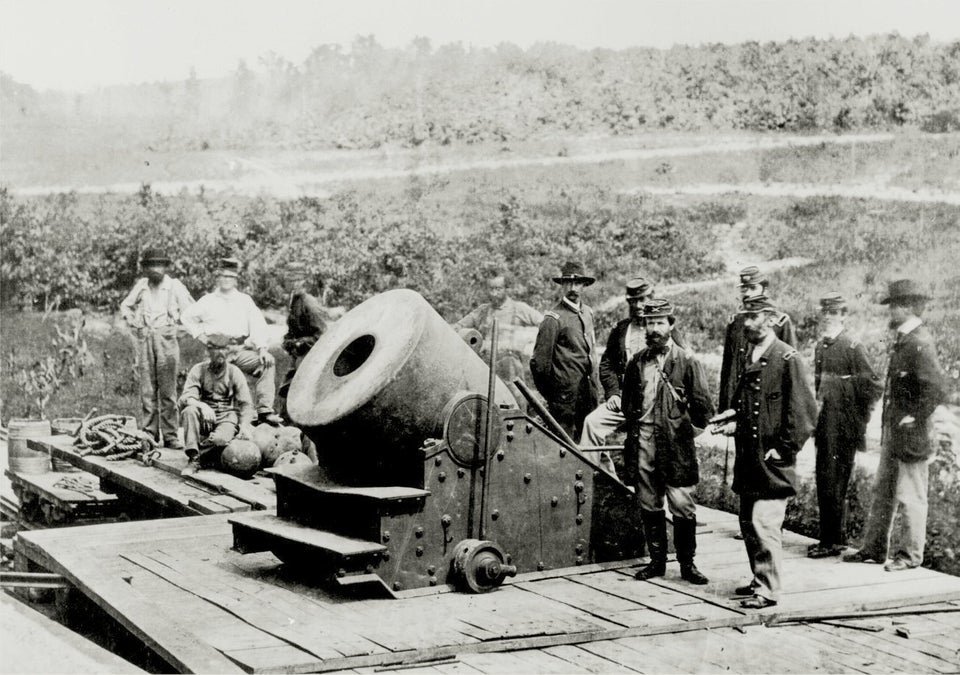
{"x":685,"y":541}
{"x":655,"y":532}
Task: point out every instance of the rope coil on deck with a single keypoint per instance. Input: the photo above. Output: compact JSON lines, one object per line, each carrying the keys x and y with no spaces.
{"x":108,"y":436}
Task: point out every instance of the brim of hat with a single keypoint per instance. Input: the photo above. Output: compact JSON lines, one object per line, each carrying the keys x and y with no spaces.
{"x":587,"y":281}
{"x":155,"y":261}
{"x":659,"y":315}
{"x":756,"y":311}
{"x":912,"y":297}
{"x":227,"y":273}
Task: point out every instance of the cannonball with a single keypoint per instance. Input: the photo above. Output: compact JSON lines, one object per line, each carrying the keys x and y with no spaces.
{"x":241,"y":458}
{"x":274,"y":441}
{"x":292,"y":457}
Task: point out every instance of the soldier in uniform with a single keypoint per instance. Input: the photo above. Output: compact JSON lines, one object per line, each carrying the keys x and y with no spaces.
{"x":305,"y":323}
{"x":564,"y":365}
{"x":775,"y":414}
{"x":847,"y":388}
{"x":915,"y":386}
{"x":626,"y":339}
{"x":736,"y":345}
{"x":511,"y":315}
{"x":665,"y":400}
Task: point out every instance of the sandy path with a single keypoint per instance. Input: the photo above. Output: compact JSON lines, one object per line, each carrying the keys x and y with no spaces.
{"x":869,"y":191}
{"x":265,"y":179}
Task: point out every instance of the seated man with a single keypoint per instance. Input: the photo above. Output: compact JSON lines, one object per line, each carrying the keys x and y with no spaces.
{"x":215,"y":406}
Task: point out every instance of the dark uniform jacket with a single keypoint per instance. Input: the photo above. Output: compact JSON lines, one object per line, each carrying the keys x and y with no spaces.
{"x":563,"y":363}
{"x":736,"y":347}
{"x":847,"y":388}
{"x":613,"y":363}
{"x":915,"y":386}
{"x":775,"y":410}
{"x":305,"y":324}
{"x":675,"y":415}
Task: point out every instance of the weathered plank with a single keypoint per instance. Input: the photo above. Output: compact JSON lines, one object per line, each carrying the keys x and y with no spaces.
{"x":581,"y":660}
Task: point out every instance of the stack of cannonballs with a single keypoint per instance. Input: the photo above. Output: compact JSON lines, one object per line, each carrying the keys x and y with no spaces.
{"x":270,"y":446}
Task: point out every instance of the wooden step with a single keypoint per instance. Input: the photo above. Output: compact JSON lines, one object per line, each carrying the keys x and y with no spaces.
{"x":254,"y":532}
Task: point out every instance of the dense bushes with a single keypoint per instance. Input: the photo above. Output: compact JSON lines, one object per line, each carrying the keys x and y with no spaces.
{"x":83,"y":251}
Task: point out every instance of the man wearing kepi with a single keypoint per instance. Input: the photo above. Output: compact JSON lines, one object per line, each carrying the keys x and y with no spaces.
{"x":152,"y":310}
{"x":915,"y":385}
{"x":775,"y":413}
{"x":227,"y":311}
{"x":665,"y":401}
{"x":626,"y":339}
{"x":846,"y":389}
{"x":215,"y":405}
{"x":735,"y":344}
{"x":563,"y":366}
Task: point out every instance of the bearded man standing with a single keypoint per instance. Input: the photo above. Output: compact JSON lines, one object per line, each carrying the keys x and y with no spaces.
{"x":666,"y":400}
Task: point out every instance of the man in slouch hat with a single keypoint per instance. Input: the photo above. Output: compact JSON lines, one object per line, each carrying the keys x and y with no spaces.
{"x":305,"y":321}
{"x":227,"y":311}
{"x":666,"y":401}
{"x":775,"y":411}
{"x":915,"y":385}
{"x":847,"y":388}
{"x":152,"y":310}
{"x":564,"y":365}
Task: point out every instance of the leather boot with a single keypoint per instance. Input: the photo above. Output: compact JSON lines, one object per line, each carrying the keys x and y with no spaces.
{"x":685,"y":541}
{"x":655,"y":532}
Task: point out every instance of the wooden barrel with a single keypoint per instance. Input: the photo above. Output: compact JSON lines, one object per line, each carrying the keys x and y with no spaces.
{"x":21,"y":458}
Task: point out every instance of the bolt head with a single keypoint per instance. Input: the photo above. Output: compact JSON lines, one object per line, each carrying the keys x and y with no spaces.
{"x":419,"y":551}
{"x":442,"y":476}
{"x":433,"y":581}
{"x":341,"y":573}
{"x":418,"y":532}
{"x":563,"y":452}
{"x":579,"y":560}
{"x":579,"y":518}
{"x":445,"y":520}
{"x":509,"y":425}
{"x":528,"y":428}
{"x":386,"y":537}
{"x":495,"y":514}
{"x":460,"y":472}
{"x":500,"y":455}
{"x":527,"y":478}
{"x":397,"y":585}
{"x":554,"y":501}
{"x":509,"y":436}
{"x":431,"y":570}
{"x":437,"y":461}
{"x":540,"y":566}
{"x":579,"y":475}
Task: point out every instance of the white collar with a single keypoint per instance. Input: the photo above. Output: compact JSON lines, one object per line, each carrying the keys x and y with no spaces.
{"x":909,"y":325}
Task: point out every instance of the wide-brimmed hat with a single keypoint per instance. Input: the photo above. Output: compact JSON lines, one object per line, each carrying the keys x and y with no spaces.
{"x":752,"y":276}
{"x":573,"y":271}
{"x":757,"y":304}
{"x":228,"y":267}
{"x":154,"y":256}
{"x":655,"y":308}
{"x":832,"y":302}
{"x":638,"y":288}
{"x":904,"y":290}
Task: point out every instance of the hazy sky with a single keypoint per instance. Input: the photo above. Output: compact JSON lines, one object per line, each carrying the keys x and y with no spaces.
{"x":78,"y":44}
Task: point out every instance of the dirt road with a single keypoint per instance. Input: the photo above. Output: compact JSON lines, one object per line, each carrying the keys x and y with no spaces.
{"x":868,"y":191}
{"x":260,"y":177}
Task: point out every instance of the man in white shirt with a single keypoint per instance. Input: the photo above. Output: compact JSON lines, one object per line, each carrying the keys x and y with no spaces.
{"x":227,"y":311}
{"x":152,"y":310}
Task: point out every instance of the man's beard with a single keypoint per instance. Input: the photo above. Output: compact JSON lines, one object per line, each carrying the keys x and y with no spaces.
{"x":656,"y":342}
{"x":218,"y":366}
{"x":754,"y":337}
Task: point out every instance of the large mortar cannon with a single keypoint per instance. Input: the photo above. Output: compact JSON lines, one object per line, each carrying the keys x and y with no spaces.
{"x":414,"y":487}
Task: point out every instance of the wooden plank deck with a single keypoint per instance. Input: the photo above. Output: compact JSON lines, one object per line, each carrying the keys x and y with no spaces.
{"x":163,"y":484}
{"x":201,"y":606}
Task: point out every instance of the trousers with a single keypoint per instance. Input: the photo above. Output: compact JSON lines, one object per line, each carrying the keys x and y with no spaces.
{"x":761,"y":522}
{"x":904,"y":485}
{"x":200,"y":438}
{"x":599,"y":424}
{"x":835,"y":459}
{"x":265,"y":382}
{"x":158,"y":360}
{"x":651,"y":490}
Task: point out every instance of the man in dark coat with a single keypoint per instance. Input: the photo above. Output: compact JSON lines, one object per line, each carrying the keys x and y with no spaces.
{"x":626,"y":339}
{"x":735,"y":343}
{"x":666,"y":400}
{"x":305,"y":324}
{"x":775,"y":413}
{"x":847,"y":388}
{"x":915,"y":386}
{"x":564,"y":365}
